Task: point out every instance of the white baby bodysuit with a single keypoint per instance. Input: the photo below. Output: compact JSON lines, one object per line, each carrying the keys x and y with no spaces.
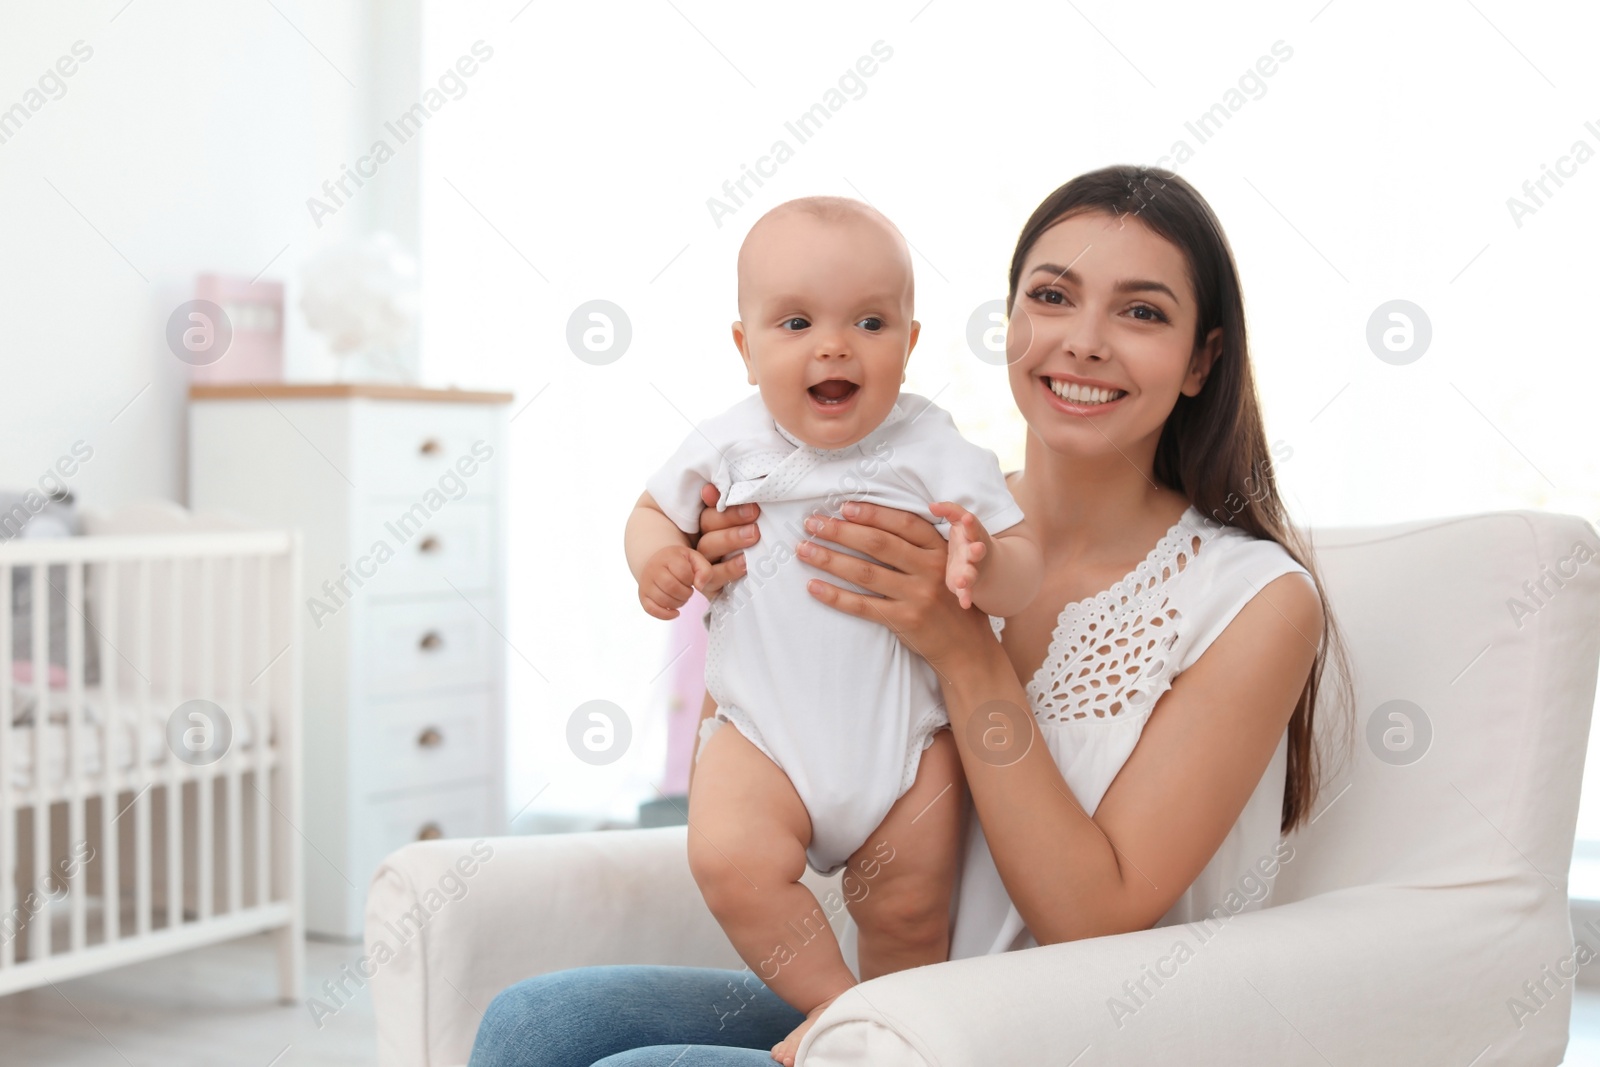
{"x":837,"y":702}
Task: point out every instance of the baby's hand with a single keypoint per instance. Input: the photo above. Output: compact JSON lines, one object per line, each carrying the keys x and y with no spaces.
{"x":969,"y":542}
{"x":669,"y":578}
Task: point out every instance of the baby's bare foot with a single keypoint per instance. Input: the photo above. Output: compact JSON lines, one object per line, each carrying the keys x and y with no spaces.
{"x":784,"y":1051}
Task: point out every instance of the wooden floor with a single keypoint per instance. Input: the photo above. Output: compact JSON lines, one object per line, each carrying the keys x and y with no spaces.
{"x":211,"y":1007}
{"x":217,"y":1007}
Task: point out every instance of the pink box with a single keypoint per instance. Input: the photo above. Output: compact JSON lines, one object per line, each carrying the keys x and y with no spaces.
{"x":255,"y":314}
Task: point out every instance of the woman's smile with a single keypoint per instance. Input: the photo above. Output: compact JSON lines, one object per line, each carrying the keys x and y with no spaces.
{"x":1078,"y":399}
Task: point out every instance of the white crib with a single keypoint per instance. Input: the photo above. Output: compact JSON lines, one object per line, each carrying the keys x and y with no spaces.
{"x":114,"y":849}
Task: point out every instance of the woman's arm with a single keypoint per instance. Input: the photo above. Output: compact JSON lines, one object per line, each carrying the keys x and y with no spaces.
{"x":1200,"y":756}
{"x":1198,"y":759}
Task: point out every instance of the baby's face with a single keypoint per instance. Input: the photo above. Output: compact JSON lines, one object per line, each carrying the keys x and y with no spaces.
{"x":826,"y":327}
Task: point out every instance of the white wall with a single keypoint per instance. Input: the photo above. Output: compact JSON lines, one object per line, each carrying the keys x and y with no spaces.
{"x":1376,"y":164}
{"x":190,"y":141}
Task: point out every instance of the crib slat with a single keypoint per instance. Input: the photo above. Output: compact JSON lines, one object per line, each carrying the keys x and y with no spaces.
{"x":204,"y":871}
{"x":235,"y":764}
{"x":143,"y":905}
{"x":291,"y":856}
{"x":8,"y":826}
{"x":110,"y":868}
{"x":77,"y":825}
{"x":39,"y":924}
{"x":175,"y":696}
{"x":264,"y":702}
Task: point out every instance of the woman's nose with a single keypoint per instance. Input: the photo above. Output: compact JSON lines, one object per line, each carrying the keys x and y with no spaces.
{"x":1084,"y":337}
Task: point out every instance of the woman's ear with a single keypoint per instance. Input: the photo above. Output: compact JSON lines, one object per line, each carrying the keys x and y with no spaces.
{"x":742,"y":343}
{"x":1200,"y":363}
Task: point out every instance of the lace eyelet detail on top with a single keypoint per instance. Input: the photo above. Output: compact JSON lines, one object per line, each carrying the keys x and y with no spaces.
{"x":1109,"y":653}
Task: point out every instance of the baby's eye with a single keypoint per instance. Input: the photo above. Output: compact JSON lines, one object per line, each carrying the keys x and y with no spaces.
{"x":1149,"y":314}
{"x":1042,"y":293}
{"x":871,"y":322}
{"x":789,"y":323}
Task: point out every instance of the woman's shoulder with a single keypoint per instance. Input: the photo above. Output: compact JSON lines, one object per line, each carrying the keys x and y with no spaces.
{"x":1228,"y":567}
{"x":1224,"y":552}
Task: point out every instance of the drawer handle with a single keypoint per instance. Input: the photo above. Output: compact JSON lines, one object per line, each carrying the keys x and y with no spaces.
{"x":431,"y":831}
{"x":430,"y":641}
{"x":430,"y":738}
{"x":431,"y":447}
{"x":429,"y":544}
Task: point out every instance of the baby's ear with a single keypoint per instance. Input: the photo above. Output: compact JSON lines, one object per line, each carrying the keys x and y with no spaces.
{"x":742,"y":344}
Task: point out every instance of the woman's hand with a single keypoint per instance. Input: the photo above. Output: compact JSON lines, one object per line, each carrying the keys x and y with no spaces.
{"x":722,"y":532}
{"x":909,"y":578}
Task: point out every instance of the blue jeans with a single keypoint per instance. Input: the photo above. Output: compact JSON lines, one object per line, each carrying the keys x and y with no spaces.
{"x":634,"y":1015}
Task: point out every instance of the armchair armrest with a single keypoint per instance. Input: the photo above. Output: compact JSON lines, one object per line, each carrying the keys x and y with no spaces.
{"x":1375,"y":974}
{"x":451,"y":923}
{"x":1368,"y":974}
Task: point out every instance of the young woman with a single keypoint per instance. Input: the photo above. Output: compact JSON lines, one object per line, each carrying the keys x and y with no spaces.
{"x":1136,"y":740}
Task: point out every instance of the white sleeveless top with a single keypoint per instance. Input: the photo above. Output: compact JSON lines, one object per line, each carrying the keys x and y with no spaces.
{"x":1143,"y":631}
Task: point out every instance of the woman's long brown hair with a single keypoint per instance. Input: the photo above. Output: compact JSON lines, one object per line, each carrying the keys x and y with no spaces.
{"x":1213,"y":447}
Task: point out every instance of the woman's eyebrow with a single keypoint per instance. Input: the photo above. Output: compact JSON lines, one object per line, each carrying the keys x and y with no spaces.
{"x":1132,"y":285}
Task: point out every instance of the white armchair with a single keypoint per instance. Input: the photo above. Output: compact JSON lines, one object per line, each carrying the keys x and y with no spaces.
{"x":1422,"y":919}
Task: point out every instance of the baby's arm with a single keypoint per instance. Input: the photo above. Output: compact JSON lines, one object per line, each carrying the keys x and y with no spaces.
{"x":659,"y":555}
{"x":1000,"y":574}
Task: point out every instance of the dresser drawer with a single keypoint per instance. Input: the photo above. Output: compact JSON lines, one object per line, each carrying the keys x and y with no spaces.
{"x":411,"y":743}
{"x":431,"y":551}
{"x":414,"y":646}
{"x":405,"y":450}
{"x":383,"y":825}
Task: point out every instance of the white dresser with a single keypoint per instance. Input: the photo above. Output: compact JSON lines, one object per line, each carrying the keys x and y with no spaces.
{"x":399,"y":492}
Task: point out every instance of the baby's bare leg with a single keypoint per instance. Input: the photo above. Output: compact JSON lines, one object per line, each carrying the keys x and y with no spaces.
{"x":898,"y":884}
{"x":748,"y":832}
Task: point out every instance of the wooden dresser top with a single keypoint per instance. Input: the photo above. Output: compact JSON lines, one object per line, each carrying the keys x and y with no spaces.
{"x":342,"y":391}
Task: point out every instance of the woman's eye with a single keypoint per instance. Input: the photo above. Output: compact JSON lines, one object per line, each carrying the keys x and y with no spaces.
{"x":790,"y":323}
{"x":1044,"y":295}
{"x":871,"y":322}
{"x":1146,"y":313}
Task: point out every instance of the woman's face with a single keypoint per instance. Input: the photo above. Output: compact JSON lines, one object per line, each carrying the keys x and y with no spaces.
{"x":1100,"y":340}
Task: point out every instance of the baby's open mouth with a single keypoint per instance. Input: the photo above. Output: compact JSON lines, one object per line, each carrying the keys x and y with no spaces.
{"x":833,"y":391}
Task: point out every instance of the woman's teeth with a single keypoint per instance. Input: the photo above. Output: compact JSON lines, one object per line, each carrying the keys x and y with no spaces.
{"x":1083,"y":394}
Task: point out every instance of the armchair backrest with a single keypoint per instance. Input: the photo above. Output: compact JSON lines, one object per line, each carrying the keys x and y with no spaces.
{"x":1474,"y":642}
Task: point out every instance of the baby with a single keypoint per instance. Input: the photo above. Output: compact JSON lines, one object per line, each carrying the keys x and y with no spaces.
{"x":841,"y":753}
